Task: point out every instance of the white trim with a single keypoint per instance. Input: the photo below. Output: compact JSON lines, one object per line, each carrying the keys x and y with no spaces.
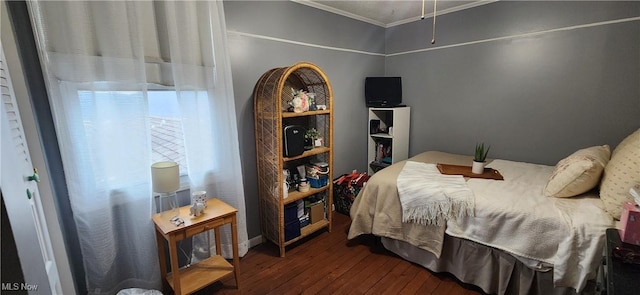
{"x":301,"y":43}
{"x":519,"y":36}
{"x":255,"y":241}
{"x":392,"y":24}
{"x":340,"y":12}
{"x":604,"y":23}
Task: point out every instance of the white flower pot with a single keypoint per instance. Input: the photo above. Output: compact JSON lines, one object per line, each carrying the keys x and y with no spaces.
{"x":478,"y":167}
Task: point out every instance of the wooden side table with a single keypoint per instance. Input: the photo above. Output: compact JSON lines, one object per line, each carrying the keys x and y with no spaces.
{"x":202,"y":274}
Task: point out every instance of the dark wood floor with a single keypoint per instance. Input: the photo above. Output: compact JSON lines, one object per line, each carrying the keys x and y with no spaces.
{"x":327,"y":263}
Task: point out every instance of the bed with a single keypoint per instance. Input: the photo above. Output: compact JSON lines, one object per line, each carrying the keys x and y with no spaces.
{"x":517,"y":241}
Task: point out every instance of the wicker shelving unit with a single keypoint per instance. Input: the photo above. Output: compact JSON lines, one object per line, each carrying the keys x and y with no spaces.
{"x":271,"y":96}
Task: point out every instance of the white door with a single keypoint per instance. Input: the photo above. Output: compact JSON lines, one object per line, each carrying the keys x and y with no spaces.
{"x":22,"y":199}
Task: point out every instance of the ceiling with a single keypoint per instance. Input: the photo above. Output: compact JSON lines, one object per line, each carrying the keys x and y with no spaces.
{"x":389,"y":13}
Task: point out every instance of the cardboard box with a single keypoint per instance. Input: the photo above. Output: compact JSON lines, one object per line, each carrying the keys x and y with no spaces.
{"x":316,"y":212}
{"x":630,"y":224}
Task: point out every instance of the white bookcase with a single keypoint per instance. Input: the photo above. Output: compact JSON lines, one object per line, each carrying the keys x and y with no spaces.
{"x":388,"y":136}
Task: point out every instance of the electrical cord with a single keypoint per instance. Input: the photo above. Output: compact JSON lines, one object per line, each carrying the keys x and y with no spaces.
{"x":188,"y":257}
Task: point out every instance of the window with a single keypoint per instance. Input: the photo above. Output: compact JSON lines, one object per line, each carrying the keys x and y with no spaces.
{"x":167,"y":136}
{"x":165,"y":122}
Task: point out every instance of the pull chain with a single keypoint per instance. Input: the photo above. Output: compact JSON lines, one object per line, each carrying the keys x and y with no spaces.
{"x":433,"y":34}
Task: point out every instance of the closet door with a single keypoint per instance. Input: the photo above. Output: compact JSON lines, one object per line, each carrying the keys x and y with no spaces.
{"x":18,"y":183}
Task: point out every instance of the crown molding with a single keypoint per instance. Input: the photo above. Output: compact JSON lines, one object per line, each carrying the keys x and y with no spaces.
{"x":441,"y":12}
{"x":339,"y":12}
{"x":392,"y":24}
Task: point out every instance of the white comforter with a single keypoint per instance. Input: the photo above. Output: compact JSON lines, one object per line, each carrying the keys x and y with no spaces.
{"x":515,"y":216}
{"x":512,"y":215}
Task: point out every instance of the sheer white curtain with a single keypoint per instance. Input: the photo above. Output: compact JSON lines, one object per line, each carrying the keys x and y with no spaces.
{"x":101,"y":60}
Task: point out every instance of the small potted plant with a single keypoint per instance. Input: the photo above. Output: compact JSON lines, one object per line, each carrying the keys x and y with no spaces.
{"x":310,"y":137}
{"x":479,"y":159}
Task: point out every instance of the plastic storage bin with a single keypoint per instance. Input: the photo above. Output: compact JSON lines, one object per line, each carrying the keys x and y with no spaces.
{"x":290,"y":212}
{"x":291,"y":229}
{"x":318,"y":182}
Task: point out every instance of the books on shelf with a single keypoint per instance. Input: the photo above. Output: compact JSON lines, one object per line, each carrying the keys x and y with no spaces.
{"x":383,"y":152}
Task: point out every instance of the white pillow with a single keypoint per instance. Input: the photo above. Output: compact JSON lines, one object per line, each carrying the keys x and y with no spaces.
{"x":578,"y":173}
{"x":622,"y":172}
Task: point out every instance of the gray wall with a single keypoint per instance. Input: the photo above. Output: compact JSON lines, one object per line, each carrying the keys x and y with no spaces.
{"x":260,"y":35}
{"x":534,"y":98}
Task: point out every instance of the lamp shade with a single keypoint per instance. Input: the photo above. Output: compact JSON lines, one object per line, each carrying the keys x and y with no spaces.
{"x":165,"y":177}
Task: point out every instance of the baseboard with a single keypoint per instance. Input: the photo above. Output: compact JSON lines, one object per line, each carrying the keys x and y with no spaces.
{"x":255,"y":241}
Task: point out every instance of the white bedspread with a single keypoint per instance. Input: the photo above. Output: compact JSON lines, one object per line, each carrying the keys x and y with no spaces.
{"x":512,"y":215}
{"x":515,"y":216}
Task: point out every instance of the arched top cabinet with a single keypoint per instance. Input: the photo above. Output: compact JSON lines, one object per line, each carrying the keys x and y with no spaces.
{"x":274,"y":101}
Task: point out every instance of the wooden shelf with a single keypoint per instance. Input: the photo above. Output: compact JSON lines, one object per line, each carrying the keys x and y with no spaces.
{"x":202,"y":274}
{"x":272,"y":96}
{"x":308,"y":113}
{"x":309,"y":229}
{"x":296,"y":195}
{"x":311,"y":152}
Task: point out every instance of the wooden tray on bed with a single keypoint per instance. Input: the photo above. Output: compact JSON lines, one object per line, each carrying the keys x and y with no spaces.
{"x":489,"y":173}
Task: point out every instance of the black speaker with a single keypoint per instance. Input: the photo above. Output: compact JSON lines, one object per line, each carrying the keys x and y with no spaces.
{"x":293,"y":140}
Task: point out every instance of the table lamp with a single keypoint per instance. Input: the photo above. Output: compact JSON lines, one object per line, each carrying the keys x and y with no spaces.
{"x":165,"y":178}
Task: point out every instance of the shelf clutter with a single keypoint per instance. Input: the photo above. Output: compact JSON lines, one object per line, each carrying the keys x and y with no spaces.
{"x":388,"y":136}
{"x":293,"y":109}
{"x":377,"y":166}
{"x":383,"y":152}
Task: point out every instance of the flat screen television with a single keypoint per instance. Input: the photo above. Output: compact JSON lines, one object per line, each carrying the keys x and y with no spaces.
{"x":383,"y":91}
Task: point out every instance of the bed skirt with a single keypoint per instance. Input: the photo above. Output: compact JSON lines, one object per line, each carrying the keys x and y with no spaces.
{"x":492,"y":270}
